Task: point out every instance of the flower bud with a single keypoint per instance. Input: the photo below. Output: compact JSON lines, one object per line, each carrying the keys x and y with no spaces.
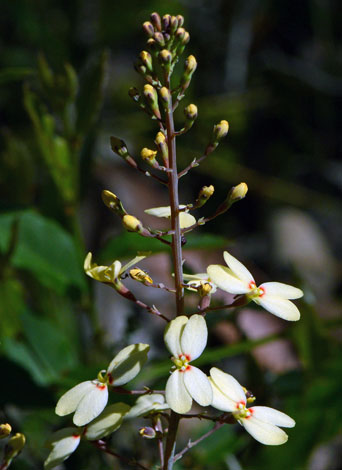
{"x":205,"y":193}
{"x":149,"y":156}
{"x":165,"y":57}
{"x":166,"y":22}
{"x":151,"y":97}
{"x":190,"y":64}
{"x":147,"y":432}
{"x":180,"y":19}
{"x":165,"y":96}
{"x":156,"y":21}
{"x":180,"y":34}
{"x":159,"y":38}
{"x":146,"y":59}
{"x":186,"y":38}
{"x":173,"y":24}
{"x":113,"y":202}
{"x":148,"y":28}
{"x":191,"y":112}
{"x":152,"y":45}
{"x":220,"y":130}
{"x":5,"y":430}
{"x":131,"y":223}
{"x":238,"y":192}
{"x":161,"y":143}
{"x":140,"y":276}
{"x":14,"y":446}
{"x":119,"y":147}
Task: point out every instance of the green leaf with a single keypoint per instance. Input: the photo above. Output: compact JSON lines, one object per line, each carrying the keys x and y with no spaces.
{"x":90,"y":97}
{"x":45,"y":249}
{"x":11,"y":306}
{"x":14,"y":74}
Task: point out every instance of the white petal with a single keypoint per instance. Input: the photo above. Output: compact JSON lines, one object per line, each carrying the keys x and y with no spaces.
{"x":272,"y":416}
{"x":128,"y":363}
{"x":228,"y":385}
{"x":173,"y":333}
{"x":161,"y":211}
{"x":147,"y":403}
{"x":194,"y":277}
{"x":280,"y":307}
{"x":220,"y":400}
{"x":69,"y":401}
{"x":176,"y":395}
{"x":278,"y":289}
{"x":198,"y":385}
{"x":64,"y":443}
{"x":194,"y":337}
{"x":116,"y":269}
{"x":238,"y":268}
{"x":264,"y":432}
{"x":87,"y":262}
{"x":109,"y":421}
{"x":91,"y":405}
{"x":225,"y":279}
{"x":134,"y":261}
{"x":186,"y":220}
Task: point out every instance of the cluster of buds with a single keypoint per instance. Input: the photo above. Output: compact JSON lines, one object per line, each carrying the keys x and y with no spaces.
{"x":14,"y":445}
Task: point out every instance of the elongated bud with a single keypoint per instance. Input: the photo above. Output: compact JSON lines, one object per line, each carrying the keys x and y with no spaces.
{"x":165,"y":96}
{"x":156,"y":21}
{"x":173,"y":24}
{"x":189,"y":68}
{"x":148,"y":28}
{"x":141,"y":276}
{"x":162,"y":146}
{"x":113,"y":203}
{"x":205,"y":193}
{"x":165,"y":58}
{"x":180,"y":34}
{"x":159,"y":38}
{"x":220,"y":130}
{"x":180,"y":20}
{"x":14,"y":446}
{"x":151,"y":97}
{"x":147,"y":432}
{"x":166,"y":22}
{"x":146,"y":59}
{"x":131,"y":223}
{"x":5,"y":430}
{"x":149,"y":156}
{"x":238,"y":192}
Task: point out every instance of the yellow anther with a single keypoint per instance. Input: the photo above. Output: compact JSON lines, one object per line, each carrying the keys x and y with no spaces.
{"x":204,"y":288}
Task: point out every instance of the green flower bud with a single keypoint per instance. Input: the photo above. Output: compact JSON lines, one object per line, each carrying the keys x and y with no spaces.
{"x":149,"y":156}
{"x":238,"y":192}
{"x":113,"y":203}
{"x":220,"y":130}
{"x":191,"y":112}
{"x":173,"y":24}
{"x":5,"y":430}
{"x":190,"y":65}
{"x":165,"y":96}
{"x":148,"y":28}
{"x":159,"y":38}
{"x":146,"y":59}
{"x":14,"y":446}
{"x":151,"y":97}
{"x":165,"y":56}
{"x":119,"y":147}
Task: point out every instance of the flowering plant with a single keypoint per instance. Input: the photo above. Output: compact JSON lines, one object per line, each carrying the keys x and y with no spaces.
{"x":186,"y":334}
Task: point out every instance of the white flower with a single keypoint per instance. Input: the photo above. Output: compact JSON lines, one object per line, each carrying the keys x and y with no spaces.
{"x":64,"y":442}
{"x":109,"y":421}
{"x":197,"y":280}
{"x":147,"y":403}
{"x":261,"y":422}
{"x":110,"y":273}
{"x":186,"y":339}
{"x":185,"y":219}
{"x":89,"y":398}
{"x":273,"y":296}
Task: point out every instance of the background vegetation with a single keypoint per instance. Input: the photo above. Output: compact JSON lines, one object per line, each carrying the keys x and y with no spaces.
{"x":273,"y":69}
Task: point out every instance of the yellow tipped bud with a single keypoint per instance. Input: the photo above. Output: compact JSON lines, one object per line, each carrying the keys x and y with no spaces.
{"x":140,"y":275}
{"x":151,"y":97}
{"x":146,"y":59}
{"x":191,"y":112}
{"x":5,"y":430}
{"x":206,"y":192}
{"x":148,"y":154}
{"x":204,"y":289}
{"x":165,"y":94}
{"x":131,"y":223}
{"x":190,"y":64}
{"x":165,"y":56}
{"x":113,"y":202}
{"x":238,"y":192}
{"x":160,"y":138}
{"x":14,"y":446}
{"x":148,"y":28}
{"x":220,"y":130}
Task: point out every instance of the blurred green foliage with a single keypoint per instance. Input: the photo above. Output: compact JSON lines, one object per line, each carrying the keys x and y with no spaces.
{"x":273,"y":70}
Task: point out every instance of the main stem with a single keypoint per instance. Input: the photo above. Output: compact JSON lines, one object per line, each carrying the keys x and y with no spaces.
{"x":177,"y":260}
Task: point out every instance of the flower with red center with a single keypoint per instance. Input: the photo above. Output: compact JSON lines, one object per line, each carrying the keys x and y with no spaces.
{"x":186,"y":339}
{"x":272,"y":296}
{"x":261,"y":422}
{"x":89,"y":398}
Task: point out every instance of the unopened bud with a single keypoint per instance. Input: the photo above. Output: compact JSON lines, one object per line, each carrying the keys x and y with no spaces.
{"x":151,"y":97}
{"x":165,"y":96}
{"x":220,"y":130}
{"x":14,"y":446}
{"x":159,"y":38}
{"x":186,"y":38}
{"x":162,"y":146}
{"x":147,"y":432}
{"x":180,"y":19}
{"x":180,"y":34}
{"x":190,"y":64}
{"x":148,"y":28}
{"x":149,"y":156}
{"x":131,"y":223}
{"x":146,"y":59}
{"x":5,"y":430}
{"x":156,"y":21}
{"x":205,"y":193}
{"x":152,"y":45}
{"x":165,"y":56}
{"x":191,"y":112}
{"x":166,"y":22}
{"x":140,"y":275}
{"x":238,"y":192}
{"x":204,"y":289}
{"x":160,"y":138}
{"x":113,"y":202}
{"x":119,"y":147}
{"x":173,"y":24}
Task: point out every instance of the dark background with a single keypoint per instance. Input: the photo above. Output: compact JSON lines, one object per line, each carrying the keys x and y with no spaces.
{"x":273,"y":70}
